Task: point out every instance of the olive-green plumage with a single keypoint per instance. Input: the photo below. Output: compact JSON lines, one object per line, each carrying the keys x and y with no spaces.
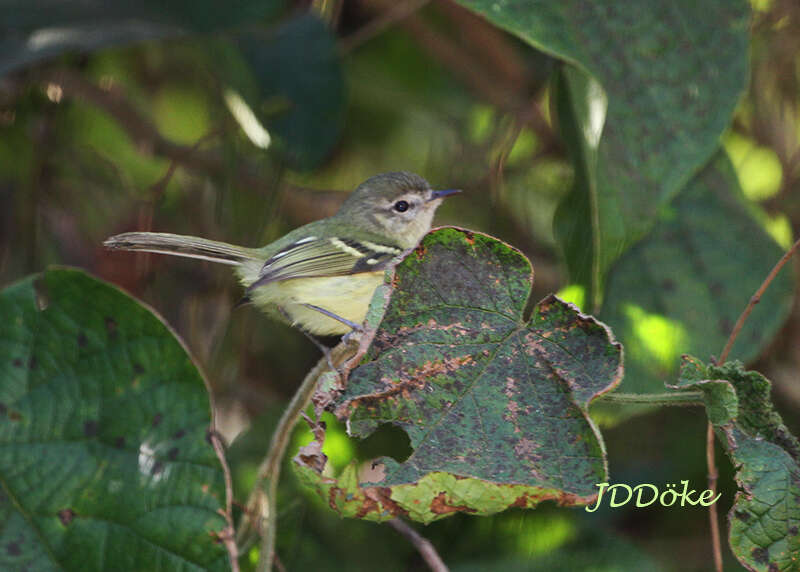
{"x":322,"y":275}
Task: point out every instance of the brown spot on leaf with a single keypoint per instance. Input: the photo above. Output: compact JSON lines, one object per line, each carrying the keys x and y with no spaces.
{"x":668,"y":285}
{"x":172,"y":454}
{"x":724,"y":326}
{"x":716,"y":288}
{"x":90,"y":428}
{"x":138,"y":369}
{"x":760,"y":555}
{"x":793,"y":531}
{"x":111,"y":327}
{"x":420,"y":251}
{"x":179,"y":433}
{"x":439,"y":505}
{"x":15,"y":416}
{"x":742,"y":515}
{"x":17,"y":362}
{"x":65,"y":515}
{"x":157,"y":419}
{"x":469,"y":236}
{"x":82,"y":340}
{"x":119,"y":442}
{"x":3,"y":408}
{"x":33,"y":363}
{"x":13,"y":549}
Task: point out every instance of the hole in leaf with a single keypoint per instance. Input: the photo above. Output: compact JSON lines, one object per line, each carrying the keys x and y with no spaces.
{"x":387,"y":441}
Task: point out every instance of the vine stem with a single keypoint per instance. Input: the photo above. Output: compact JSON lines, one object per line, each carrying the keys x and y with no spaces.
{"x":262,"y":506}
{"x":422,"y":544}
{"x":710,"y":461}
{"x":682,"y":398}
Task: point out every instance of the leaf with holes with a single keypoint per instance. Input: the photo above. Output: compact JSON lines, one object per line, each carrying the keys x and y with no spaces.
{"x":104,"y":462}
{"x":494,"y":403}
{"x":765,"y":517}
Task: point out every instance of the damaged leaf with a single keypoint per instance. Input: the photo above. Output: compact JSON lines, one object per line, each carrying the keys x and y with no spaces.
{"x":765,"y":517}
{"x":494,"y":404}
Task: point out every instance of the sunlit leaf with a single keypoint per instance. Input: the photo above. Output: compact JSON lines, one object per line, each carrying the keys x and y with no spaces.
{"x":494,"y":404}
{"x":104,"y":462}
{"x":681,"y":289}
{"x":765,"y":517}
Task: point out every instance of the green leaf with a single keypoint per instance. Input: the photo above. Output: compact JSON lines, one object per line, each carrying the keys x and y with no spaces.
{"x":765,"y":517}
{"x":671,"y":74}
{"x":681,"y":289}
{"x":104,"y":463}
{"x":292,"y":79}
{"x":33,"y":31}
{"x":495,"y":404}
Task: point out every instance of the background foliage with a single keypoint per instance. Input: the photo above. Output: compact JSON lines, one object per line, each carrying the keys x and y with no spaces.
{"x":644,"y":157}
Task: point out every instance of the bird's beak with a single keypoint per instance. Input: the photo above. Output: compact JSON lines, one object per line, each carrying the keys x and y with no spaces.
{"x":442,"y":194}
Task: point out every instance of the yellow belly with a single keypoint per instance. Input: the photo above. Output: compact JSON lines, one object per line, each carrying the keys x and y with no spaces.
{"x":345,"y":296}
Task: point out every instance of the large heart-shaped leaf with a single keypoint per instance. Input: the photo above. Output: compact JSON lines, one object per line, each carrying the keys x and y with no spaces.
{"x":104,"y":458}
{"x":651,"y":87}
{"x":494,"y":403}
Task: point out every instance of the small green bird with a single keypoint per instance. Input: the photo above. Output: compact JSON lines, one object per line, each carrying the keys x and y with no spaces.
{"x":322,"y":275}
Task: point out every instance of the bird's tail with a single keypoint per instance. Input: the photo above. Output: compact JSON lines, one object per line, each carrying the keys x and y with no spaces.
{"x":179,"y":245}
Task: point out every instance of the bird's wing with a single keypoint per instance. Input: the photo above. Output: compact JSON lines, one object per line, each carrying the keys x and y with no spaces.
{"x":314,"y":256}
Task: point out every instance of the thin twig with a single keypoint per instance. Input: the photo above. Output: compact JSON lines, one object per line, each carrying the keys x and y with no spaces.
{"x":146,"y":137}
{"x":228,"y":535}
{"x":422,"y":544}
{"x":386,"y":20}
{"x":716,"y":543}
{"x":755,"y":300}
{"x":710,"y":461}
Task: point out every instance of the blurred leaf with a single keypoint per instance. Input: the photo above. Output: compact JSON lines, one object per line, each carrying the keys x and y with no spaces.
{"x":32,"y":31}
{"x":681,"y":289}
{"x":671,"y":73}
{"x":765,"y":516}
{"x":104,"y":462}
{"x":292,"y":80}
{"x":495,"y":405}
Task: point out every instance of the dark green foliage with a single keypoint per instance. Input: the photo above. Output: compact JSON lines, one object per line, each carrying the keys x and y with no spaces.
{"x":104,"y":457}
{"x":765,"y":517}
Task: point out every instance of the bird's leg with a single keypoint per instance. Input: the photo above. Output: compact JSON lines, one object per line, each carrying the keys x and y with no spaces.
{"x":345,"y":321}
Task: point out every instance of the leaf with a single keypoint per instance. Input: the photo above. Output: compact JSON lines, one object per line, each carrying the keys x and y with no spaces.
{"x":765,"y":517}
{"x":33,"y":31}
{"x":670,"y":72}
{"x":104,"y":463}
{"x":495,"y":405}
{"x":292,"y":78}
{"x":681,"y":289}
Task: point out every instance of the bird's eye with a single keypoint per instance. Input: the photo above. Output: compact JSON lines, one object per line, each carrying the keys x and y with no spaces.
{"x":401,"y":206}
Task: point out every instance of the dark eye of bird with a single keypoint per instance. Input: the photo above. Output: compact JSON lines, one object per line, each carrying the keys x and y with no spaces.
{"x":401,"y":206}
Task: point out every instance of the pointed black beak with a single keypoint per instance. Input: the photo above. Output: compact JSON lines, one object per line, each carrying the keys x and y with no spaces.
{"x":442,"y":194}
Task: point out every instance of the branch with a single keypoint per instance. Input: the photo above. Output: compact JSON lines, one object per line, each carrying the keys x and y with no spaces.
{"x":678,"y":398}
{"x":422,"y":544}
{"x":710,"y":461}
{"x":261,"y":510}
{"x":228,"y":534}
{"x":755,"y":300}
{"x":147,"y":139}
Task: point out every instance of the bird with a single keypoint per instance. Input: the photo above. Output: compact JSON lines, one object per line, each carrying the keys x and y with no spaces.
{"x":321,"y":276}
